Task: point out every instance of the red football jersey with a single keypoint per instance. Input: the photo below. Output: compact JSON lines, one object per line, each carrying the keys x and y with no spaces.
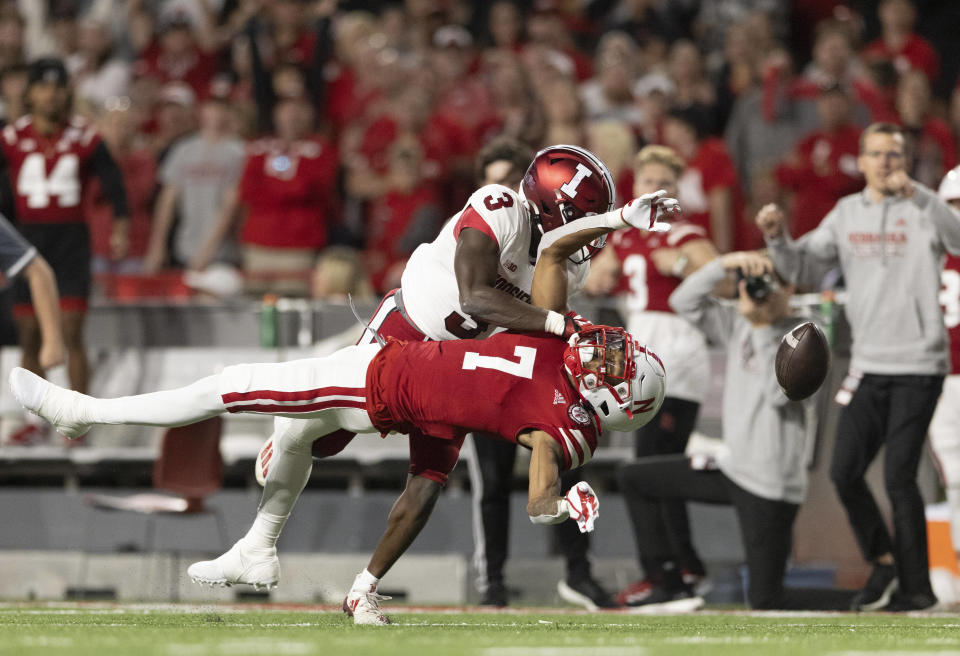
{"x":950,"y":302}
{"x":645,"y":287}
{"x":506,"y":384}
{"x":48,"y":172}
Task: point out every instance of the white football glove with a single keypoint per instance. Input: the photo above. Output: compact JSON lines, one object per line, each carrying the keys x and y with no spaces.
{"x":583,"y":506}
{"x":646,"y":211}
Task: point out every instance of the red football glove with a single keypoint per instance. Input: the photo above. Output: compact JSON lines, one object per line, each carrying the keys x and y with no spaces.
{"x":583,"y":506}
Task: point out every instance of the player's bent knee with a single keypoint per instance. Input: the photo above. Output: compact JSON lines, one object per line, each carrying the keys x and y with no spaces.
{"x":421,"y":495}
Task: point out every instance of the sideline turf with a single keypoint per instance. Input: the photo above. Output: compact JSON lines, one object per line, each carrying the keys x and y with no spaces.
{"x":78,"y":630}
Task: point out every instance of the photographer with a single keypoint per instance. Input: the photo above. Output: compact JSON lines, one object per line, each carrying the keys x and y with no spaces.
{"x":762,"y":470}
{"x":889,"y":241}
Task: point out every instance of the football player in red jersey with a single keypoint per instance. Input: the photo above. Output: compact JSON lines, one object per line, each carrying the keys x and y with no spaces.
{"x":601,"y":377}
{"x":651,"y":266}
{"x":477,"y":275}
{"x":50,"y":158}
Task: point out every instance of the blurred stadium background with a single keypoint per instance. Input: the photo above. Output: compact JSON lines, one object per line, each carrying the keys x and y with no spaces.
{"x":403,"y":95}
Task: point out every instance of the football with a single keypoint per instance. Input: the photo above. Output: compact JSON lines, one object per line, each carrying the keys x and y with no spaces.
{"x":803,"y":360}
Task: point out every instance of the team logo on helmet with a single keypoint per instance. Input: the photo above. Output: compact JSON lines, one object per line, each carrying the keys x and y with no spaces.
{"x":579,"y":414}
{"x":565,"y":183}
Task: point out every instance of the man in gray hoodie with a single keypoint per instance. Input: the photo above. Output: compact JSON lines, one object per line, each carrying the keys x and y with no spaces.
{"x":889,"y":241}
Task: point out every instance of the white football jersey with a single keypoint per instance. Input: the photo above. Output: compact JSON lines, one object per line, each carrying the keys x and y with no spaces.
{"x":429,"y":284}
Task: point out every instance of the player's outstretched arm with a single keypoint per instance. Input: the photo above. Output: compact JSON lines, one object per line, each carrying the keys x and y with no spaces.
{"x":545,"y":504}
{"x":643,"y":212}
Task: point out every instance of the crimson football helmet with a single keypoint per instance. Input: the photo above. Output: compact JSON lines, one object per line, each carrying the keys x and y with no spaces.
{"x":565,"y":183}
{"x":622,"y":381}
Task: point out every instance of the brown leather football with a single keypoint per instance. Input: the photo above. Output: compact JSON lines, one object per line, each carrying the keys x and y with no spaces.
{"x":803,"y":360}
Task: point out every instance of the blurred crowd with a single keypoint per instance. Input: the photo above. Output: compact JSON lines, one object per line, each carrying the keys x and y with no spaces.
{"x":259,"y":134}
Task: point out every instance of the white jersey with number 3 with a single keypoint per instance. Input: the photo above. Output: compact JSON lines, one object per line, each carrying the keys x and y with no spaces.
{"x":429,"y":284}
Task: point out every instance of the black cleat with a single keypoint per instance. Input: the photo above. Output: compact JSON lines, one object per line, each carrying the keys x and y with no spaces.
{"x":901,"y":603}
{"x":879,"y":588}
{"x":496,"y":595}
{"x":585,"y":592}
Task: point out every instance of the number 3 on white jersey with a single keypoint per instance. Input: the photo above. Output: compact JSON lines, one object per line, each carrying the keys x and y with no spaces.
{"x":63,"y":183}
{"x":522,"y":369}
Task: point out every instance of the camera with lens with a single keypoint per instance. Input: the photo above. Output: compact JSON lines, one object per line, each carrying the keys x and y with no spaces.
{"x":758,"y":287}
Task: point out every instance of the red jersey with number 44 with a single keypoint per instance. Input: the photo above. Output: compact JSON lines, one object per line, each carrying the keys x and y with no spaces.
{"x":48,"y":172}
{"x":643,"y":286}
{"x":507,"y":384}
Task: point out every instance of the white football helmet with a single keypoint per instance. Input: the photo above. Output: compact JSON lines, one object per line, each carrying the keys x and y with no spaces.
{"x":622,"y":381}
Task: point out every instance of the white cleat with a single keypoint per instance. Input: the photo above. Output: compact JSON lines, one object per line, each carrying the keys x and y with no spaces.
{"x":364,"y":608}
{"x":57,"y":405}
{"x":256,"y":566}
{"x":262,"y":467}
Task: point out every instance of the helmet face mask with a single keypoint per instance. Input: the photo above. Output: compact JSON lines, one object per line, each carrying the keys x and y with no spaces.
{"x":621,"y":380}
{"x":566,"y":183}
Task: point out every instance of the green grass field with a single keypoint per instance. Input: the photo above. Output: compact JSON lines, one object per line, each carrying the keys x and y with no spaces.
{"x":135,"y":630}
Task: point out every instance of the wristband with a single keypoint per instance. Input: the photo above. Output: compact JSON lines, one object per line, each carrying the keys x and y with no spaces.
{"x":562,"y":515}
{"x":554,"y":323}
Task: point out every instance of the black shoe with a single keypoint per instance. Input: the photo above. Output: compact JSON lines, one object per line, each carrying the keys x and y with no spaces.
{"x":901,"y":603}
{"x":585,"y":592}
{"x":496,"y":595}
{"x":658,"y":597}
{"x":876,"y":593}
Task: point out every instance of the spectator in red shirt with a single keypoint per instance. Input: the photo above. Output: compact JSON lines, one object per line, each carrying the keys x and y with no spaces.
{"x":899,"y":44}
{"x":118,"y":127}
{"x":709,"y":190}
{"x":931,"y":151}
{"x":823,"y":167}
{"x":404,"y":217}
{"x":350,"y":88}
{"x":175,"y":56}
{"x":286,"y":193}
{"x":461,"y":97}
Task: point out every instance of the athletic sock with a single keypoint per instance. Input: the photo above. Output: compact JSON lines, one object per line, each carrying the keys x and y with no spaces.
{"x":265,"y":530}
{"x":365,"y":582}
{"x":290,"y":470}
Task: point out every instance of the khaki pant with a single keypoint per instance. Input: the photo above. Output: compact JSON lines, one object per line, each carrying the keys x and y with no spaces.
{"x":281,"y":271}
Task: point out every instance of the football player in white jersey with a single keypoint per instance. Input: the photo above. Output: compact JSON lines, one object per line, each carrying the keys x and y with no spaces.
{"x":475,"y":277}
